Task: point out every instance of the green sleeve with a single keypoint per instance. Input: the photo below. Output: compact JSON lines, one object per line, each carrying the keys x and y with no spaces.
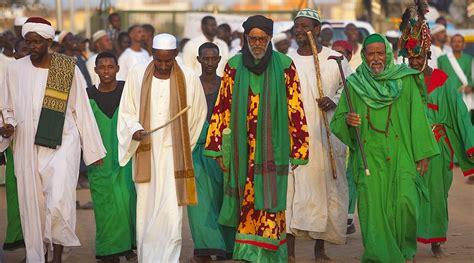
{"x":460,"y":130}
{"x":339,"y":125}
{"x":422,"y":139}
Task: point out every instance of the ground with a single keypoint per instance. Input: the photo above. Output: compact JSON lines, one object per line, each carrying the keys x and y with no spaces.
{"x":459,"y":248}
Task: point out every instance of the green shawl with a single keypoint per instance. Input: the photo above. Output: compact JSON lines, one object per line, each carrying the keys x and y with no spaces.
{"x":378,"y":91}
{"x":272,"y":147}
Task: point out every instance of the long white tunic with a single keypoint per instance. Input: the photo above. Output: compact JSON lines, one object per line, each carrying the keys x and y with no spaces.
{"x":129,"y":59}
{"x":317,"y":203}
{"x":356,"y":59}
{"x":190,"y":52}
{"x":159,"y":217}
{"x":47,"y":178}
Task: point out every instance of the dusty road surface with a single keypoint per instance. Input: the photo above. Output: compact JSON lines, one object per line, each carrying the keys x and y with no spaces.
{"x":459,"y":248}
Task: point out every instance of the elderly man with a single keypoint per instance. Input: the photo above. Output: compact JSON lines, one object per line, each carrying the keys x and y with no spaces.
{"x":259,"y":103}
{"x":102,"y":43}
{"x":398,"y":142}
{"x":209,"y":34}
{"x":438,"y":48}
{"x":317,"y":202}
{"x":454,"y":134}
{"x":459,"y":65}
{"x":154,"y":94}
{"x":48,"y":117}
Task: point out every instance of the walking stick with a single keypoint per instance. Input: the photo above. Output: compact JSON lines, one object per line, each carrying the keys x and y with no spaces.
{"x":338,"y":59}
{"x":319,"y":84}
{"x":169,"y":121}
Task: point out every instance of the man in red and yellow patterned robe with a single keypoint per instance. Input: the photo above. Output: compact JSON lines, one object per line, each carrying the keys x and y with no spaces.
{"x":262,"y":124}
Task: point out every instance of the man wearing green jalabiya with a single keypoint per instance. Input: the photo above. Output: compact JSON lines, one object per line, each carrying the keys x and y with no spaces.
{"x":398,"y":142}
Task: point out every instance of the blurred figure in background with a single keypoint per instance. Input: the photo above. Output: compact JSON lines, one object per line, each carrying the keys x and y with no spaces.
{"x":71,"y":48}
{"x":148,"y":33}
{"x":439,"y":38}
{"x":114,"y":29}
{"x":18,"y":24}
{"x":393,"y":36}
{"x":326,"y":35}
{"x":224,"y":33}
{"x":208,"y":34}
{"x":343,"y":47}
{"x":123,"y":42}
{"x":133,"y":55}
{"x":281,"y":42}
{"x":353,"y":36}
{"x":237,"y":43}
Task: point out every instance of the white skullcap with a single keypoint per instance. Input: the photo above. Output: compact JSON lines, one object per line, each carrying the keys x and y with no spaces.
{"x":241,"y":29}
{"x":164,"y":41}
{"x":98,"y":35}
{"x":437,"y":28}
{"x":20,"y":20}
{"x":392,"y":34}
{"x":328,"y":26}
{"x":279,"y":37}
{"x":38,"y":25}
{"x":62,"y":35}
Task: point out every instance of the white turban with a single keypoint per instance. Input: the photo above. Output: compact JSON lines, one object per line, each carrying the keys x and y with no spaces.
{"x":437,"y":28}
{"x":20,"y":20}
{"x":164,"y":41}
{"x":63,"y":35}
{"x":38,"y":25}
{"x":392,"y":34}
{"x":98,"y":35}
{"x":279,"y":37}
{"x":328,"y":26}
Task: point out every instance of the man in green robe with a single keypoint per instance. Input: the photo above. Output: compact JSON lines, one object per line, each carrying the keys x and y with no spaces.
{"x":398,"y":141}
{"x":112,"y":189}
{"x":210,"y":238}
{"x":459,"y":66}
{"x":454,"y":134}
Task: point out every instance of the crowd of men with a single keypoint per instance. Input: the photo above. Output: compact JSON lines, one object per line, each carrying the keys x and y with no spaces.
{"x":264,"y":138}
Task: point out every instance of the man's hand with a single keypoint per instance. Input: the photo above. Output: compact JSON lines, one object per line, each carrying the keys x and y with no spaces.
{"x":3,"y":159}
{"x":220,"y":161}
{"x":422,"y":166}
{"x":7,"y":131}
{"x":467,"y":89}
{"x":326,"y":104}
{"x":139,"y":135}
{"x":99,"y":162}
{"x":353,"y":119}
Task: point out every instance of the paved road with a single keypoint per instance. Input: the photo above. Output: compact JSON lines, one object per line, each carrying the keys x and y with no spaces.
{"x":459,"y":248}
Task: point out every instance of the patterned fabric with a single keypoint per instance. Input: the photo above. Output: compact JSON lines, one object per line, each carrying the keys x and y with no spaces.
{"x":259,"y":231}
{"x":309,"y":13}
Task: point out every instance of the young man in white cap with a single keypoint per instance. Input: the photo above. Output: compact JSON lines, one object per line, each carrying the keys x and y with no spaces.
{"x":48,"y":117}
{"x":439,"y":38}
{"x":209,"y":34}
{"x":102,"y":43}
{"x":317,"y":193}
{"x":157,"y":94}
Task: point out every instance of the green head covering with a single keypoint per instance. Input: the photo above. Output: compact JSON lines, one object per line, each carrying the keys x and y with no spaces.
{"x":309,"y":13}
{"x":380,"y":90}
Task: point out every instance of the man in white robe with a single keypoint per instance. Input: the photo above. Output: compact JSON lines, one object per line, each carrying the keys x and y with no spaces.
{"x":46,"y":176}
{"x":159,"y":218}
{"x":353,"y":35}
{"x":133,"y":55}
{"x":209,"y":34}
{"x":439,"y":38}
{"x":317,"y":203}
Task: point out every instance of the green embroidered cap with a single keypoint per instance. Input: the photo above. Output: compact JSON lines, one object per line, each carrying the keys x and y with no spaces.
{"x":309,"y":13}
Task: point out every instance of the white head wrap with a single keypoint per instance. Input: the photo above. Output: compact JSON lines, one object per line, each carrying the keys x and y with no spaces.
{"x":392,"y":34}
{"x":20,"y":20}
{"x":39,"y":26}
{"x":279,"y":37}
{"x":437,"y":28}
{"x":98,"y":35}
{"x":164,"y":41}
{"x":328,"y":26}
{"x":62,"y":35}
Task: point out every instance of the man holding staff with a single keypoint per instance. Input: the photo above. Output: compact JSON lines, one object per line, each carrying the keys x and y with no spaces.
{"x":317,"y":192}
{"x":398,"y":141}
{"x":154,"y":95}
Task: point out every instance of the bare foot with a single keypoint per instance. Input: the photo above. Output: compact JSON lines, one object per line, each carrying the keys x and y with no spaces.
{"x":436,"y":249}
{"x":131,"y":256}
{"x":319,"y":252}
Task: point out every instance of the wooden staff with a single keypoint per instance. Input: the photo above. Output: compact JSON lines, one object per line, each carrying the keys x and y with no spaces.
{"x":170,"y":121}
{"x":351,"y":109}
{"x":319,"y":84}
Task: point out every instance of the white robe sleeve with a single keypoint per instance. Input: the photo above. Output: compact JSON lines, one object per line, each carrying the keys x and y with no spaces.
{"x":91,"y":141}
{"x":123,"y":64}
{"x":190,"y":54}
{"x":198,"y":112}
{"x":128,"y":118}
{"x":346,"y":69}
{"x":6,"y":108}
